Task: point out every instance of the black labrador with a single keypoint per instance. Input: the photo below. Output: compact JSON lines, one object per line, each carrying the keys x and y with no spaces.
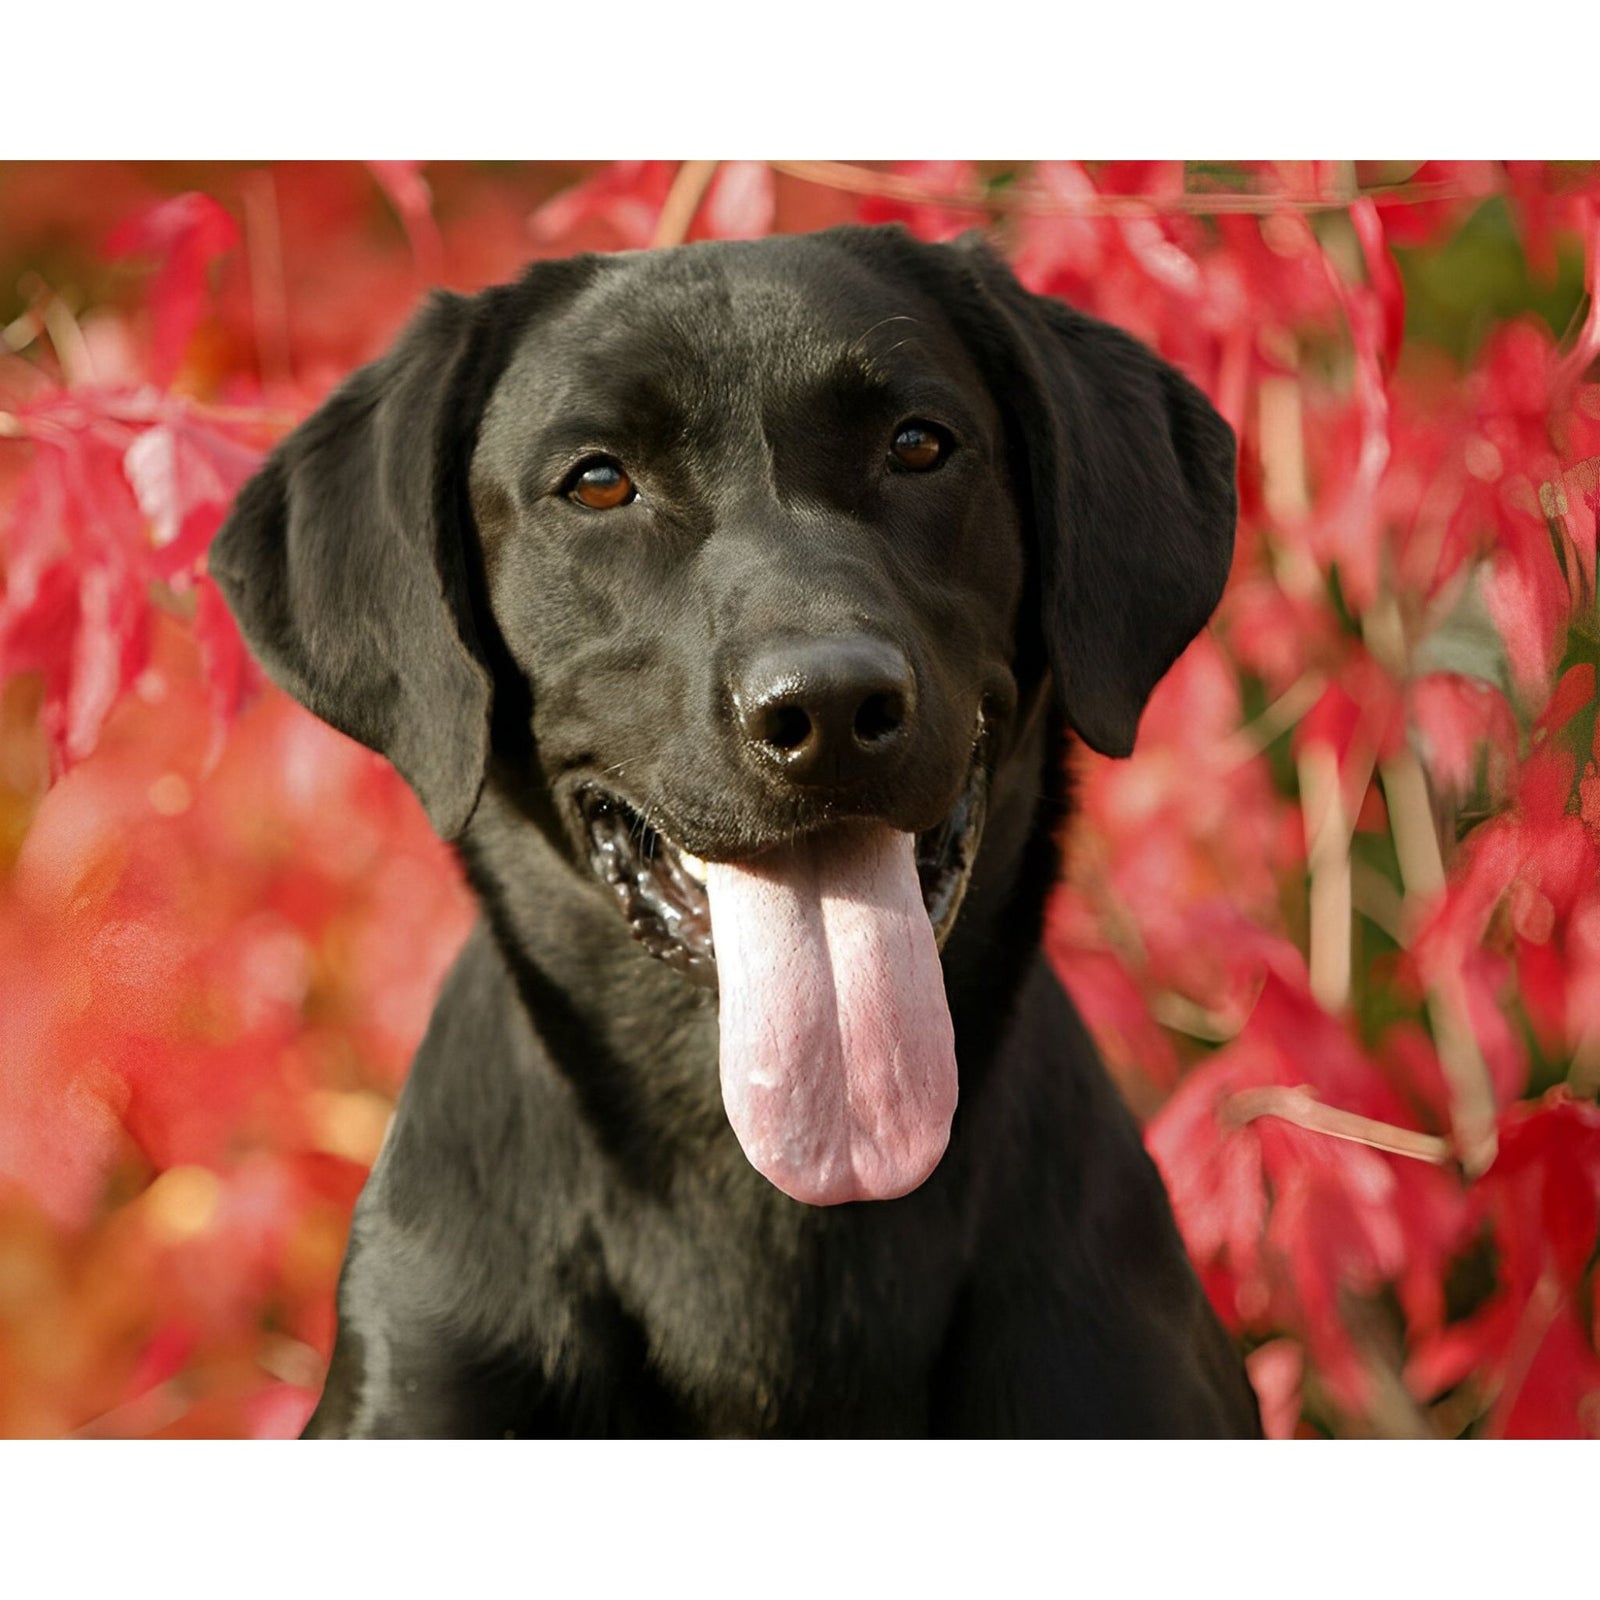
{"x":727,"y":606}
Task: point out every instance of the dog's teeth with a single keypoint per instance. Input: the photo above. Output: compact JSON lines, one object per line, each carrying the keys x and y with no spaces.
{"x":694,"y":866}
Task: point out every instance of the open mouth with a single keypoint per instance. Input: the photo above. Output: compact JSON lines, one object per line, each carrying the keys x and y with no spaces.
{"x":660,"y":887}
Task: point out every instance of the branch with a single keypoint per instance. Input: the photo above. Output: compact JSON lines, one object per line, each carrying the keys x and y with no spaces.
{"x":1466,"y":1073}
{"x":1583,"y":1076}
{"x":1329,"y":828}
{"x":269,"y":296}
{"x":1391,"y":1410}
{"x":1301,"y":1107}
{"x":1182,"y":1015}
{"x":1377,"y":899}
{"x":49,"y":430}
{"x":852,"y":179}
{"x":48,"y":314}
{"x":1257,"y":735}
{"x":1416,"y":848}
{"x":1586,"y":346}
{"x":683,"y":200}
{"x":1537,"y":1317}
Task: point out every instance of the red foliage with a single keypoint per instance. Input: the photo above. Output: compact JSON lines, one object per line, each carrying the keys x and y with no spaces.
{"x":1336,"y":923}
{"x":185,"y":235}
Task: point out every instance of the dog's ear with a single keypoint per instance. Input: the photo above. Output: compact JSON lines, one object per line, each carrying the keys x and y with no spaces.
{"x":345,"y":559}
{"x":1129,"y":474}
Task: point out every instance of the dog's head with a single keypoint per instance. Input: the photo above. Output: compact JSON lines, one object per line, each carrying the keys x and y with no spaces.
{"x":760,"y":546}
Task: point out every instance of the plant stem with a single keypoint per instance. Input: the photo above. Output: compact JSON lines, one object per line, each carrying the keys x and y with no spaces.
{"x":1301,"y":1107}
{"x":683,"y":200}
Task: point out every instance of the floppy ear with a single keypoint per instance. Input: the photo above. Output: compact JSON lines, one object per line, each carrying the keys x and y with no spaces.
{"x":345,"y":558}
{"x":1130,"y":474}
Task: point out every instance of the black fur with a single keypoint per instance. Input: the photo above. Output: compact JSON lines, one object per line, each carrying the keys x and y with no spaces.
{"x":561,"y":1234}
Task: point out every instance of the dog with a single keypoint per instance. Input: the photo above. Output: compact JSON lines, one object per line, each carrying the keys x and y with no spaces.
{"x":728,"y":606}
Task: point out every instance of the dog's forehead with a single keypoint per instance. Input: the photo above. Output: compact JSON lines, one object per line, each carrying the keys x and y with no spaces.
{"x":704,"y":326}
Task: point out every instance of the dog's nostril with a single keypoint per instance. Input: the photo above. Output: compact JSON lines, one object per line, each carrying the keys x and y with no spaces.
{"x":835,"y":710}
{"x":878,"y":716}
{"x":785,"y":727}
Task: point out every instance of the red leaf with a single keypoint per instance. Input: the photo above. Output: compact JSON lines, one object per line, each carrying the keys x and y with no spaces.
{"x":1457,"y":717}
{"x":1298,"y":1217}
{"x":408,"y":192}
{"x":934,"y":218}
{"x":616,"y":209}
{"x":1548,"y":1170}
{"x":1426,"y":222}
{"x":1483,"y":870}
{"x":231,"y":671}
{"x":1383,"y":275}
{"x":185,"y":234}
{"x":161,"y":1359}
{"x":1484,"y":989}
{"x":280,"y":1412}
{"x":1276,"y":1370}
{"x":1273,"y":634}
{"x":1574,"y":694}
{"x":109,"y":651}
{"x":1361,"y":717}
{"x":1116,"y":1011}
{"x":184,"y":477}
{"x":1558,"y":1396}
{"x":740,"y":204}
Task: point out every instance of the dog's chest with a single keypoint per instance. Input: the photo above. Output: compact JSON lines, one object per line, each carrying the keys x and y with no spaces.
{"x":791,"y":1329}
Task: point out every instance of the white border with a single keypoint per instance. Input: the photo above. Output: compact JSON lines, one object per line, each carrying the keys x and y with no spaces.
{"x":824,"y":79}
{"x":795,"y":1520}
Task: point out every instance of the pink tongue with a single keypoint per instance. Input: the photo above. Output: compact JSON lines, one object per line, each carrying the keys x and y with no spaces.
{"x":838,"y":1062}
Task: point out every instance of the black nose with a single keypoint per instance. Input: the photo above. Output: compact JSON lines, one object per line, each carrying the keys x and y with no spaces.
{"x":826,"y":711}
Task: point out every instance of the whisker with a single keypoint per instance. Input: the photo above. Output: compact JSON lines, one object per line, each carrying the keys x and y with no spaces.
{"x":637,"y":758}
{"x":861,"y":338}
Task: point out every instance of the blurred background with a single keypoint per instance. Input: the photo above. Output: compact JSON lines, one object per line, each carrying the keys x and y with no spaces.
{"x":1336,"y":923}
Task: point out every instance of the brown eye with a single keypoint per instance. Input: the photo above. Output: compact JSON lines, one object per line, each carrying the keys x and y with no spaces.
{"x":919,"y":446}
{"x":601,"y":485}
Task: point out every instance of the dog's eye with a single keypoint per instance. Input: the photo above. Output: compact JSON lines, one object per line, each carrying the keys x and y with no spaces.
{"x":919,"y":446}
{"x":600,"y":484}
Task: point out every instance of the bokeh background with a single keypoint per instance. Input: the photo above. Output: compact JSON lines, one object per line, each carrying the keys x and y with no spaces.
{"x":1336,"y":923}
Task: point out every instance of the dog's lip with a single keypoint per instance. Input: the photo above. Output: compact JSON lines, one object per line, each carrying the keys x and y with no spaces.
{"x":702,"y":843}
{"x":656,"y":871}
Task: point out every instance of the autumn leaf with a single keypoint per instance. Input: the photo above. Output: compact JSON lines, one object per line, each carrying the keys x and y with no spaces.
{"x":183,"y":236}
